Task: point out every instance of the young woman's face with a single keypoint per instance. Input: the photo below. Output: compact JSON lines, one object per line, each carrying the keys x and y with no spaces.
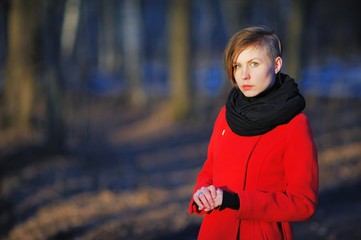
{"x":254,"y":71}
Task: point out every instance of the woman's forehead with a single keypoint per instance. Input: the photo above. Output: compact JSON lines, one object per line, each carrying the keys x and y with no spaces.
{"x":252,"y":51}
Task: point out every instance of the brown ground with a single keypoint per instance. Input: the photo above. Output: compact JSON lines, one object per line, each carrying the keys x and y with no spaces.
{"x":125,"y":178}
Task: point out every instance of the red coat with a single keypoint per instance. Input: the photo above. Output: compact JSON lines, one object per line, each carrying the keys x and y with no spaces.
{"x":275,"y":176}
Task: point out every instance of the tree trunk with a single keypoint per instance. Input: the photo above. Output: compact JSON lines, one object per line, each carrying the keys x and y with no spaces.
{"x":20,"y":66}
{"x":132,"y":51}
{"x":52,"y":74}
{"x":179,"y":51}
{"x":294,"y":38}
{"x":107,"y":51}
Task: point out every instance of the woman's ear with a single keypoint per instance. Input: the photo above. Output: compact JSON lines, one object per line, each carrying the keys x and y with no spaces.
{"x":278,"y":64}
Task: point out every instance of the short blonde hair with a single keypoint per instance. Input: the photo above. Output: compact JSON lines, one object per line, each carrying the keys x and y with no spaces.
{"x":250,"y":37}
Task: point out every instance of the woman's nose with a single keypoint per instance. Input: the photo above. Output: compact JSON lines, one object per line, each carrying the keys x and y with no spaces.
{"x":245,"y":74}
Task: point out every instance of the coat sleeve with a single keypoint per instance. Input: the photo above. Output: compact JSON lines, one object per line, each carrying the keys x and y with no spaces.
{"x":205,"y":175}
{"x":298,"y":202}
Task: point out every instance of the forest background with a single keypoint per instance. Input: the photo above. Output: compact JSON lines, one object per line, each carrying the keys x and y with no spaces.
{"x":106,"y":109}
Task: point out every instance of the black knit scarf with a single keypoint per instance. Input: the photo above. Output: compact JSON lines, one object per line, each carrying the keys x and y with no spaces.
{"x":250,"y":116}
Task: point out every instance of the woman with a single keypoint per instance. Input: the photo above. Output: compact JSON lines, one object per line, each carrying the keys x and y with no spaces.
{"x":261,"y":172}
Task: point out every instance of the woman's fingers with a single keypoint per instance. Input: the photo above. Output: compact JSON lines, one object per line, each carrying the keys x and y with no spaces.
{"x":197,"y":199}
{"x":213,"y":191}
{"x":219,"y":199}
{"x":205,"y":198}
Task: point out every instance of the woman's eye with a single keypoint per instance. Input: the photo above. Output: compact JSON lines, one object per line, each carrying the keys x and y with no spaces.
{"x":254,"y":64}
{"x":236,"y":66}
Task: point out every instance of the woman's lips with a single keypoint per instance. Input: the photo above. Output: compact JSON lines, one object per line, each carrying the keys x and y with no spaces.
{"x":247,"y":87}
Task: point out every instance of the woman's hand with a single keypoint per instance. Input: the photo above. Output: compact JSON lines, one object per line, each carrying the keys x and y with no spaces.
{"x":208,"y":198}
{"x":219,"y":199}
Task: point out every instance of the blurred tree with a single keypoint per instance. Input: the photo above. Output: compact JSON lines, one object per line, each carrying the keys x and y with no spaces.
{"x":20,"y":66}
{"x":69,"y":29}
{"x":179,"y":54}
{"x":132,"y":51}
{"x":234,"y":14}
{"x":293,"y":41}
{"x":52,"y":18}
{"x":107,"y":54}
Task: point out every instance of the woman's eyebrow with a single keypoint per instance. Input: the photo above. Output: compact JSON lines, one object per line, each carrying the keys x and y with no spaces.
{"x":252,"y":59}
{"x":256,"y":58}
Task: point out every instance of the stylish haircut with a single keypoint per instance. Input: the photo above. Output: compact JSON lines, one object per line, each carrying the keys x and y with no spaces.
{"x":259,"y":37}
